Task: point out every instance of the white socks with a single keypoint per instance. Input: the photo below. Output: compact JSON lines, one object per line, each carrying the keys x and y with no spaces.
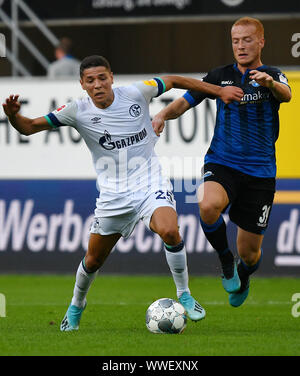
{"x":177,"y":262}
{"x":82,"y":285}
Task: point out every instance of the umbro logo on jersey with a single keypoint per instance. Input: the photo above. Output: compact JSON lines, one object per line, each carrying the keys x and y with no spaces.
{"x":96,"y":120}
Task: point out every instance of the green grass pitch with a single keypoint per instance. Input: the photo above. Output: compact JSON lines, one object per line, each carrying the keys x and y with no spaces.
{"x":114,"y":320}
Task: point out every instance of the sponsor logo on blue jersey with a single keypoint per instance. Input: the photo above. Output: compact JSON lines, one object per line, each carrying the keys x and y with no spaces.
{"x":255,"y":97}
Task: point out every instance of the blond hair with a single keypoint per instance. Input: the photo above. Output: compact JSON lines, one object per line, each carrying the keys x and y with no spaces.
{"x":245,"y":21}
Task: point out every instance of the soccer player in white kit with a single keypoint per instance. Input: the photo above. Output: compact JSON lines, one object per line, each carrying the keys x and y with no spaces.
{"x":116,"y":126}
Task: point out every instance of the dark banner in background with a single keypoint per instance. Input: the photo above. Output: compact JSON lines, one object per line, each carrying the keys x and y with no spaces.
{"x":44,"y":227}
{"x":56,"y":9}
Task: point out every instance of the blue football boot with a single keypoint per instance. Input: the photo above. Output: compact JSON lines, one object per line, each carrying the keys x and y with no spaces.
{"x":232,"y":284}
{"x":237,"y":298}
{"x":193,"y":309}
{"x":72,"y":318}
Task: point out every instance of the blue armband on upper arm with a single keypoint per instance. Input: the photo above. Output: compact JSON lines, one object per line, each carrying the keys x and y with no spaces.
{"x":190,"y":99}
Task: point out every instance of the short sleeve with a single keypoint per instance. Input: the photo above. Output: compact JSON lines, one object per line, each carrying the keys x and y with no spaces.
{"x":280,"y":77}
{"x":196,"y":97}
{"x":151,"y":88}
{"x":64,"y":115}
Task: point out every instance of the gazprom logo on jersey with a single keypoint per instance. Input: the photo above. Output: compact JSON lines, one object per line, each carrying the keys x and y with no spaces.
{"x":106,"y":142}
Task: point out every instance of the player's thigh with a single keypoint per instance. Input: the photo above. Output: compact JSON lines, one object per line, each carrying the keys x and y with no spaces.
{"x":212,"y":195}
{"x":99,"y":248}
{"x":218,"y":188}
{"x":164,"y":219}
{"x":158,"y":212}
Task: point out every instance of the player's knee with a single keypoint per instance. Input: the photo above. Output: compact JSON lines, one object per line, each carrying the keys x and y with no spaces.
{"x":250,"y":255}
{"x":209,"y":211}
{"x":170,"y":235}
{"x":93,"y":263}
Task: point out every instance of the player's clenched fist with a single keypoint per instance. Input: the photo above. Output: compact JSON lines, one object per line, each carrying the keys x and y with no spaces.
{"x":12,"y":105}
{"x":158,"y":124}
{"x":262,"y":78}
{"x":231,"y":93}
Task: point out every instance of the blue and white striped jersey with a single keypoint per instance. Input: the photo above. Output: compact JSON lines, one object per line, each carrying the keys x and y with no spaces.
{"x":245,"y":133}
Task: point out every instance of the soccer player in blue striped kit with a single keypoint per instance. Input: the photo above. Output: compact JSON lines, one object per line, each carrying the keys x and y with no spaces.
{"x":240,"y":164}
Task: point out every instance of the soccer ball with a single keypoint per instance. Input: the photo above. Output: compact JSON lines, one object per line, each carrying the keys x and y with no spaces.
{"x":166,"y":316}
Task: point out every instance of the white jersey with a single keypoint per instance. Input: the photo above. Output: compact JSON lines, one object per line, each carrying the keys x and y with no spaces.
{"x":120,"y":137}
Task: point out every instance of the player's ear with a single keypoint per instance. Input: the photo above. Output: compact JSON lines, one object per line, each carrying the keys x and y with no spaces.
{"x":82,"y":84}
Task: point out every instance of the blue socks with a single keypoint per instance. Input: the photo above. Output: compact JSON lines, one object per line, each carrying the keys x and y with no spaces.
{"x":217,"y":237}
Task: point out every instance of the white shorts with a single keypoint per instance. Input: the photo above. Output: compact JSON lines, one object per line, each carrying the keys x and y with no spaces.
{"x":121,"y":214}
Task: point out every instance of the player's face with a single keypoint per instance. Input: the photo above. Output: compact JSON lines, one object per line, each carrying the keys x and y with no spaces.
{"x":247,"y":45}
{"x":97,"y":81}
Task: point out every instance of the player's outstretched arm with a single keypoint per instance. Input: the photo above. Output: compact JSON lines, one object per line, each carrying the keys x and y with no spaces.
{"x":227,"y":94}
{"x":21,"y":123}
{"x":172,"y":111}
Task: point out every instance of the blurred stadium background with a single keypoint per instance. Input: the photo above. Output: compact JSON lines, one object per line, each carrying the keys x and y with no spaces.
{"x":47,"y":182}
